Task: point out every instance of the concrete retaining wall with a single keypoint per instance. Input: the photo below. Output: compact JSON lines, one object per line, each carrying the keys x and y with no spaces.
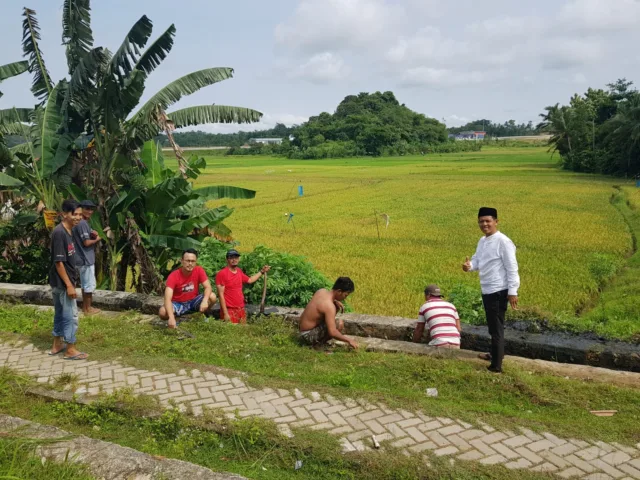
{"x":559,"y":347}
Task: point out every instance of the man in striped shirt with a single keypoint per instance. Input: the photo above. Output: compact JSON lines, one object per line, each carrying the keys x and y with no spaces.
{"x":441,"y":320}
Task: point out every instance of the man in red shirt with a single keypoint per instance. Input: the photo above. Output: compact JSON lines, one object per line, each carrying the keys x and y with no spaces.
{"x":181,"y":295}
{"x":229,"y":281}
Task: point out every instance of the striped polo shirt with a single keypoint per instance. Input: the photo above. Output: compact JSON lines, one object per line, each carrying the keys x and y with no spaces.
{"x":440,"y":318}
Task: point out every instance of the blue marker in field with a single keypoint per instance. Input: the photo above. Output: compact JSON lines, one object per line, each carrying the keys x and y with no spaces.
{"x":638,"y":183}
{"x":290,"y":217}
{"x":300,"y":191}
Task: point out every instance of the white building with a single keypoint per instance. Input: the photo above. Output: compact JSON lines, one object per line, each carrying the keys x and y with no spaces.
{"x":266,"y":141}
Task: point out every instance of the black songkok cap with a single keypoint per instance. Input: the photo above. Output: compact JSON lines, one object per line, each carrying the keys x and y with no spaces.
{"x":487,"y":212}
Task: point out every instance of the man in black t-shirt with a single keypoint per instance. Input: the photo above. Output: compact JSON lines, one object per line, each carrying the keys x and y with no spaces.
{"x":63,"y":278}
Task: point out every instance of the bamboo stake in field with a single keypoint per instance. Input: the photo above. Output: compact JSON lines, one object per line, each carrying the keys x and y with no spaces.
{"x":375,"y":214}
{"x":264,"y":294}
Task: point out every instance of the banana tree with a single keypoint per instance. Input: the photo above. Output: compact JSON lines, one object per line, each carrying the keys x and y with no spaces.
{"x":46,"y":150}
{"x":9,"y":117}
{"x":164,"y":214}
{"x":100,"y":101}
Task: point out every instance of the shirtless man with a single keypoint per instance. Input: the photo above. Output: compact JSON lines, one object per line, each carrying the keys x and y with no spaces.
{"x":318,"y":321}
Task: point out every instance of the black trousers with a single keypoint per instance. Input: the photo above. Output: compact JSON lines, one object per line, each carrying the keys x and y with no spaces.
{"x":495,"y":308}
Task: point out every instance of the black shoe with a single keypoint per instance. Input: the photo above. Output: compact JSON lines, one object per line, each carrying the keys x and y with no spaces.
{"x":494,"y":369}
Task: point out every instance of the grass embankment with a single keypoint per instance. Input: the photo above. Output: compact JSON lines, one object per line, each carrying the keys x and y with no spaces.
{"x":618,"y":308}
{"x":562,"y":223}
{"x":250,"y":447}
{"x":267,"y":350}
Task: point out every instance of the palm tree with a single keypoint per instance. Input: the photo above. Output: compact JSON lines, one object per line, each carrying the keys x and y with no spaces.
{"x":556,"y":122}
{"x":624,"y":132}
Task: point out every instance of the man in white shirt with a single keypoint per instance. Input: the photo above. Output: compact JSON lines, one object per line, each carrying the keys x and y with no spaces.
{"x":495,"y":259}
{"x":440,"y":318}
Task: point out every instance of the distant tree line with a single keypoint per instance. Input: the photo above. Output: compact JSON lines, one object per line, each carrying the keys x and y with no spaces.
{"x":205,"y":139}
{"x":599,"y":131}
{"x":507,"y":129}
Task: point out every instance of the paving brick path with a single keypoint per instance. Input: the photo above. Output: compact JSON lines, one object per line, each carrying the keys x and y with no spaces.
{"x":354,"y":421}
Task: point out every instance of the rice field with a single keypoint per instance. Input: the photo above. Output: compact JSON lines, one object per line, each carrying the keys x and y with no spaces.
{"x":561,"y":222}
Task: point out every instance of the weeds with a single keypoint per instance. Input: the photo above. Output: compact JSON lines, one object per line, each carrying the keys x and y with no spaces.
{"x":252,"y":446}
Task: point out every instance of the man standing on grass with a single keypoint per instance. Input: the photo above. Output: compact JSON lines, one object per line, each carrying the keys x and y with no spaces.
{"x":86,"y":239}
{"x":229,"y":281}
{"x":495,"y":259}
{"x":441,"y":318}
{"x":182,"y":292}
{"x":63,"y":277}
{"x":318,"y":320}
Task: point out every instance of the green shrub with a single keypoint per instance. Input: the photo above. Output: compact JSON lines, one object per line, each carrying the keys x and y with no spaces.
{"x":468,"y":302}
{"x":292,"y":280}
{"x":26,"y":258}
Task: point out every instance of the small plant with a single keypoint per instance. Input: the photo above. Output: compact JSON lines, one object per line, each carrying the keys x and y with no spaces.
{"x":468,"y":302}
{"x":603,"y":268}
{"x":66,"y":380}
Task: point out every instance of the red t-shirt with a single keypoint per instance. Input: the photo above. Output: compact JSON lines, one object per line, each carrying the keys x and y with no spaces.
{"x":232,"y":283}
{"x":186,"y":288}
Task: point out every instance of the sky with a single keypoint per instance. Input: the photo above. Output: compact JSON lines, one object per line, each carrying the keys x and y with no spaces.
{"x":456,"y":61}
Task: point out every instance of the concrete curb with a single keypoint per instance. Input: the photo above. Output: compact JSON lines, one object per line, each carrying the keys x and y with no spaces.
{"x":554,"y":346}
{"x":105,"y":460}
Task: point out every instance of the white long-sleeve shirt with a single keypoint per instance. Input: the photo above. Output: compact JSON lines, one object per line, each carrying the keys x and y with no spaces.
{"x":495,"y":259}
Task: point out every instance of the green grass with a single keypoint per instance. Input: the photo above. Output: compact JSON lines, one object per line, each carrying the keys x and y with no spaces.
{"x":617,"y":311}
{"x":562,"y":223}
{"x":251,"y":447}
{"x":267,"y":351}
{"x":18,"y":461}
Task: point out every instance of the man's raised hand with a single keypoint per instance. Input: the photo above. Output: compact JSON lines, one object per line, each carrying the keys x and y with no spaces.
{"x":466,"y":266}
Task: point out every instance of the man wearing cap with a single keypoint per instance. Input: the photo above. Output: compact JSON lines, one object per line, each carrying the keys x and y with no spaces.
{"x":495,"y":259}
{"x":182,"y":290}
{"x":86,"y":239}
{"x":229,"y":282}
{"x":440,"y":318}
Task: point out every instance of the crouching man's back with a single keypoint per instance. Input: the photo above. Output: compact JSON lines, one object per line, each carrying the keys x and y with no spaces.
{"x":318,"y":320}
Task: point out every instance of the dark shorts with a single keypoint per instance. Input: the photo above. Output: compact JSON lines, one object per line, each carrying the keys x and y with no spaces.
{"x":191,"y":306}
{"x":319,"y":334}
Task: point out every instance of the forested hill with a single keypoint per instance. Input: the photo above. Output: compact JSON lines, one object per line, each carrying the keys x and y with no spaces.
{"x":370,"y":124}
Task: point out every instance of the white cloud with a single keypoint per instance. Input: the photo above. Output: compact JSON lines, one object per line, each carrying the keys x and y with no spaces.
{"x":442,"y":77}
{"x":579,"y":78}
{"x":322,"y":68}
{"x":565,"y":53}
{"x":426,"y":44}
{"x":507,"y":27}
{"x":600,"y":15}
{"x":334,"y":25}
{"x":455,"y":120}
